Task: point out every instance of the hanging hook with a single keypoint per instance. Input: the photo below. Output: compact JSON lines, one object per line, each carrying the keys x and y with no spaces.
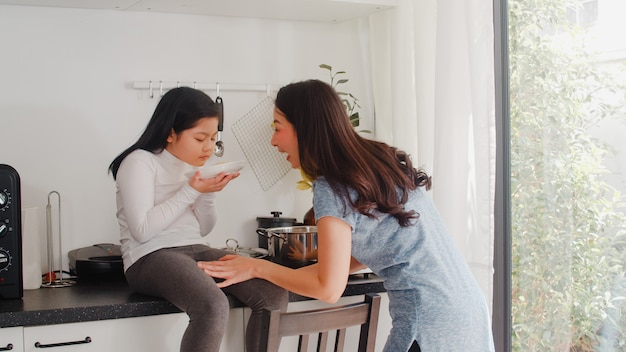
{"x":195,"y":85}
{"x":161,"y":88}
{"x":217,"y":89}
{"x":151,"y":94}
{"x":268,"y":91}
{"x":177,"y":84}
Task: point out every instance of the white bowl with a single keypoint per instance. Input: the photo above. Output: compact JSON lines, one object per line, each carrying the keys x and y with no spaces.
{"x":214,"y":169}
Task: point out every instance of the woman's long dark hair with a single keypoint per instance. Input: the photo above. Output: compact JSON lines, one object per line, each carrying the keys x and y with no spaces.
{"x":179,"y":109}
{"x":329,"y":146}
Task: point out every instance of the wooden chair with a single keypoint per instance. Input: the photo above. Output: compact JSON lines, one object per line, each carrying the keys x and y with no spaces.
{"x":277,"y":325}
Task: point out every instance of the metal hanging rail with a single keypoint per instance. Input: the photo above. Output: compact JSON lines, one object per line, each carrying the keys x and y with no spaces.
{"x":160,"y":87}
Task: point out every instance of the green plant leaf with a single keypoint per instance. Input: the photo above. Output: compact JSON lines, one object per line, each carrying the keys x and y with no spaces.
{"x":354,"y":119}
{"x":326,"y":67}
{"x":349,"y":100}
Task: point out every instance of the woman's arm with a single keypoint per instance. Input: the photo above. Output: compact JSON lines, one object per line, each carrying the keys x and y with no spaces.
{"x":356,"y":265}
{"x":325,"y":280}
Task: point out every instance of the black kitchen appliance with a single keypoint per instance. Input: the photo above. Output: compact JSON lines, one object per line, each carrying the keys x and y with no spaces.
{"x":101,"y":261}
{"x":11,"y":280}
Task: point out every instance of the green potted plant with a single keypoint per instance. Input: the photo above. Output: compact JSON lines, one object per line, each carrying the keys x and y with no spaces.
{"x":349,"y":100}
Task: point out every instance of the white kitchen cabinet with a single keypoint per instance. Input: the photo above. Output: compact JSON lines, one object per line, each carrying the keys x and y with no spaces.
{"x":12,"y":339}
{"x":157,"y":333}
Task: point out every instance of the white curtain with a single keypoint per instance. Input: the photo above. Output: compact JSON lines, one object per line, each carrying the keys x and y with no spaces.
{"x":433,"y":89}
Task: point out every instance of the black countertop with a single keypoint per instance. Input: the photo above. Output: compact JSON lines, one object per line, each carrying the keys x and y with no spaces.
{"x":113,"y":300}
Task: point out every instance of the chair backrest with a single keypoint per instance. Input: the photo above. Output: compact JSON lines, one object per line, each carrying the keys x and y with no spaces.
{"x":321,"y":321}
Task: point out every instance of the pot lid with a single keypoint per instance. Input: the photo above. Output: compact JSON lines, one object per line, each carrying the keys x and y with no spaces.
{"x":292,"y":229}
{"x":232,"y":245}
{"x":275,"y":218}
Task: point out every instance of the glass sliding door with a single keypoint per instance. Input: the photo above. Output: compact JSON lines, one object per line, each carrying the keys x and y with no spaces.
{"x":567,"y":135}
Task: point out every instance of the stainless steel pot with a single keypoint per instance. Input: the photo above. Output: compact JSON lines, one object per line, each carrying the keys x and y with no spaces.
{"x":293,"y":246}
{"x":270,"y":222}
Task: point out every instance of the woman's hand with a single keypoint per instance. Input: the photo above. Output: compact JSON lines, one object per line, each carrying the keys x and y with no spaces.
{"x":297,"y":252}
{"x":212,"y":184}
{"x":232,"y":268}
{"x":325,"y":280}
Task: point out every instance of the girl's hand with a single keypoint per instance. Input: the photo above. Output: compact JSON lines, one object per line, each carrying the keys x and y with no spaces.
{"x":232,"y":268}
{"x":213,"y":184}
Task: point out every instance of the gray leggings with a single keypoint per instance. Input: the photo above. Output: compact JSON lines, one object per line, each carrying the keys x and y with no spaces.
{"x":172,"y":274}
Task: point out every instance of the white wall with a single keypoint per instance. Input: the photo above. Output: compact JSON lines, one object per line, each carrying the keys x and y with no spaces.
{"x":67,"y":107}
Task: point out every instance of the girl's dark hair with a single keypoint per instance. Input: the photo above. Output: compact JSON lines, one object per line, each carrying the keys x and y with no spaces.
{"x":179,"y":109}
{"x":381,"y":175}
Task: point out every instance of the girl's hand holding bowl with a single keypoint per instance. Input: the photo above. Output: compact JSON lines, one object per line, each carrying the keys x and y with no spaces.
{"x":211,"y":184}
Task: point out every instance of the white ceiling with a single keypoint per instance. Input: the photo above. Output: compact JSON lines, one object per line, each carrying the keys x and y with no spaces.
{"x":302,"y":10}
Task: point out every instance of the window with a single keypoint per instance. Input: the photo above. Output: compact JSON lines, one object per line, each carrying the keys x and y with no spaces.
{"x":564,"y":179}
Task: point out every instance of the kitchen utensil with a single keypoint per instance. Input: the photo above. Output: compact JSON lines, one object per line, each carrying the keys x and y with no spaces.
{"x":254,"y":132}
{"x":232,"y":245}
{"x":219,"y":145}
{"x":293,"y":246}
{"x":52,"y":279}
{"x":102,"y":261}
{"x":275,"y":220}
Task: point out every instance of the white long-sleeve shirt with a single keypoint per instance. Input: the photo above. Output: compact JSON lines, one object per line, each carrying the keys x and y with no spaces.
{"x":156,"y":206}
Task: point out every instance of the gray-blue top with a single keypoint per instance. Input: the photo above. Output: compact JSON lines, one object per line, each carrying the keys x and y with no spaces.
{"x":433,"y":297}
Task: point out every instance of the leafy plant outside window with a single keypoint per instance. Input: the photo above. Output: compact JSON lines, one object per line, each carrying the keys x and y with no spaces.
{"x":568,"y":224}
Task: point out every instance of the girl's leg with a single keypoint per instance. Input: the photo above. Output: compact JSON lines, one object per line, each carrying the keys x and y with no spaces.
{"x":173,"y":274}
{"x":257,"y":294}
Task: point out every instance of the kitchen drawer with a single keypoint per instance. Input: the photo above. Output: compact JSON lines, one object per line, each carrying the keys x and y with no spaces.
{"x":131,"y":334}
{"x":150,"y":334}
{"x":12,"y":337}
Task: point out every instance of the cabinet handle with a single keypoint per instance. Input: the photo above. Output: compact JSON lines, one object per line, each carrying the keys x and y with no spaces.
{"x":8,"y":348}
{"x":59,"y":344}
